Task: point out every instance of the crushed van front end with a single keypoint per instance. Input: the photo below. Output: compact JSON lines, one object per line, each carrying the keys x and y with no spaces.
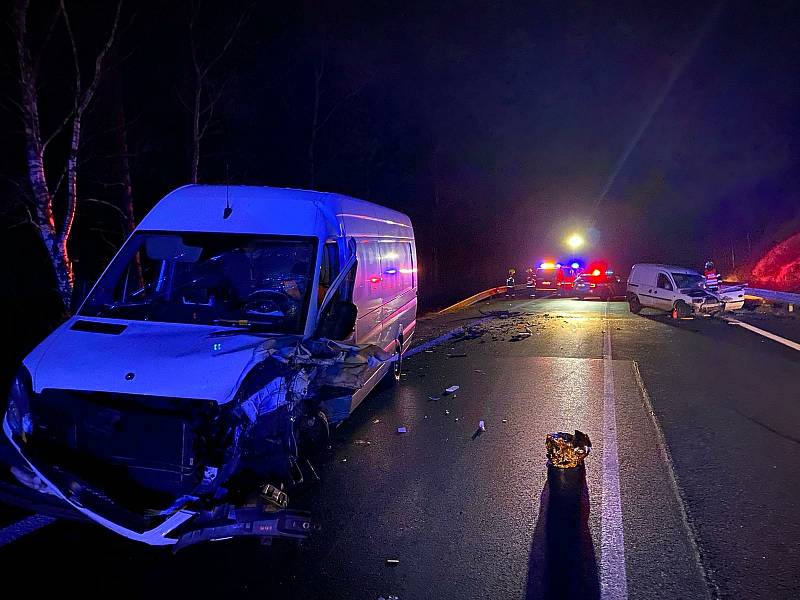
{"x":165,"y":470}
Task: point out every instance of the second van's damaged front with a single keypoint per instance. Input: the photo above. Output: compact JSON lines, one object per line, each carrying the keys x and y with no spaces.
{"x":165,"y":470}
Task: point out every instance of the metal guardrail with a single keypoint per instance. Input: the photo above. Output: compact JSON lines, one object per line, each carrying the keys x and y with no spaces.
{"x":501,"y":289}
{"x":785,"y":297}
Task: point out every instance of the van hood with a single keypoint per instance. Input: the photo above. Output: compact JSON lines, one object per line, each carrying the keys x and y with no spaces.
{"x":142,"y":357}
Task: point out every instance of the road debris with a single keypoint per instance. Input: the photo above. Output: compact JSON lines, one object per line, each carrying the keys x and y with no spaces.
{"x":566,"y":450}
{"x":402,"y":430}
{"x":447,"y":412}
{"x":481,"y":426}
{"x":504,"y":421}
{"x":376,"y":421}
{"x":434,"y":398}
{"x":362,"y":443}
{"x":392,"y":562}
{"x":459,"y":355}
{"x":480,"y":371}
{"x":451,"y":390}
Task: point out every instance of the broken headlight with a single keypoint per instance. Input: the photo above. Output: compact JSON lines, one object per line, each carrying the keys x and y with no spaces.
{"x":18,"y":413}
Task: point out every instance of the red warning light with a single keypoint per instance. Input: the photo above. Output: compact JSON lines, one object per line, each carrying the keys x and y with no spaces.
{"x":374,"y":279}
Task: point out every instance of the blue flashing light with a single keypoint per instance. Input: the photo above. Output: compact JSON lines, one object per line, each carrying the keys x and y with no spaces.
{"x":576,"y":265}
{"x":391,"y":271}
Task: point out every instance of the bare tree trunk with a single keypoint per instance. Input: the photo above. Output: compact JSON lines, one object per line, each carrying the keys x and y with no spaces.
{"x":196,"y":131}
{"x":34,"y":151}
{"x":66,"y":285}
{"x":55,"y":242}
{"x":312,"y":173}
{"x":203,"y":112}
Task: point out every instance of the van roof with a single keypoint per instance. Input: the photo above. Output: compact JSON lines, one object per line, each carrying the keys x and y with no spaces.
{"x":278,"y":211}
{"x":670,"y":268}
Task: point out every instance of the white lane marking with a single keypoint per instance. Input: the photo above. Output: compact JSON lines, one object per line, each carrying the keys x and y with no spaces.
{"x":766,"y":334}
{"x":661,"y":442}
{"x":21,"y":528}
{"x":613,"y":577}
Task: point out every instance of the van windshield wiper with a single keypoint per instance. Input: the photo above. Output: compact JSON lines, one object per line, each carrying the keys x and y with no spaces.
{"x":235,"y":326}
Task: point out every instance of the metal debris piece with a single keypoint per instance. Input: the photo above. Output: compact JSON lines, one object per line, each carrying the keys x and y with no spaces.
{"x":456,"y":418}
{"x":447,"y":412}
{"x":392,"y":562}
{"x":505,"y":421}
{"x":402,"y":430}
{"x":481,"y":425}
{"x":451,"y":390}
{"x":274,"y":496}
{"x":376,"y":421}
{"x":566,"y":450}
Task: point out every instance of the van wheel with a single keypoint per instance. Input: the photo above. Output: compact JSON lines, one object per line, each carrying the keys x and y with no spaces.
{"x":681,"y":310}
{"x":605,"y":295}
{"x":635,"y":305}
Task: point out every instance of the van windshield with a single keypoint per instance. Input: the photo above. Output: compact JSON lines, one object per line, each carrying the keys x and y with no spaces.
{"x":687,"y":280}
{"x":209,"y":279}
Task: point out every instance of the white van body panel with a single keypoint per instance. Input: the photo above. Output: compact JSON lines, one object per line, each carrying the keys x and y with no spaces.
{"x":165,"y":359}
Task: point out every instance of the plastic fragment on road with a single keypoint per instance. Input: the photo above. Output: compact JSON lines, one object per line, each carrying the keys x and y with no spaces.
{"x":376,"y":421}
{"x":566,"y":450}
{"x":447,"y":412}
{"x":402,"y":430}
{"x":451,"y":390}
{"x":481,"y":426}
{"x":504,"y":421}
{"x":392,"y":562}
{"x":434,"y":398}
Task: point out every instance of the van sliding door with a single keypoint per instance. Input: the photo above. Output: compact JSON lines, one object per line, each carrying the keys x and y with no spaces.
{"x":368,"y":292}
{"x":398,"y":278}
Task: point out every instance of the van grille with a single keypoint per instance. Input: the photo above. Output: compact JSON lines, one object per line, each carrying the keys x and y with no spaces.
{"x":122,"y":443}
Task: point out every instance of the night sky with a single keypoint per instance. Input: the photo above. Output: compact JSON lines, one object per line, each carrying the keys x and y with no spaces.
{"x":666,"y":130}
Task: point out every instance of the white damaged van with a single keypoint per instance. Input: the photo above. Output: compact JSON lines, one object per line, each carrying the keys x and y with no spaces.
{"x":233,"y":327}
{"x":670,"y":288}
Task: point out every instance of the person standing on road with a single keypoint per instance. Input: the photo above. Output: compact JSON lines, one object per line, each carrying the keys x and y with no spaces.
{"x":510,"y":282}
{"x":712,"y":277}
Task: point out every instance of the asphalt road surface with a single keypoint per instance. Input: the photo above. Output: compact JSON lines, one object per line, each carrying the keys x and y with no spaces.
{"x":690,"y":491}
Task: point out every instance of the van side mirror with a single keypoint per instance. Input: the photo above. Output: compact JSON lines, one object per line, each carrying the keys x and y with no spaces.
{"x":339,"y":322}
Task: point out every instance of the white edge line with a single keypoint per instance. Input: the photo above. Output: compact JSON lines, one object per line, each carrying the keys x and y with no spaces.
{"x":712,"y":590}
{"x":613,"y":576}
{"x":766,"y":334}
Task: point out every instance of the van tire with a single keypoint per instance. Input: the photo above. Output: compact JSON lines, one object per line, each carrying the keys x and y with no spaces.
{"x":681,"y":310}
{"x":634,"y":304}
{"x":605,"y":295}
